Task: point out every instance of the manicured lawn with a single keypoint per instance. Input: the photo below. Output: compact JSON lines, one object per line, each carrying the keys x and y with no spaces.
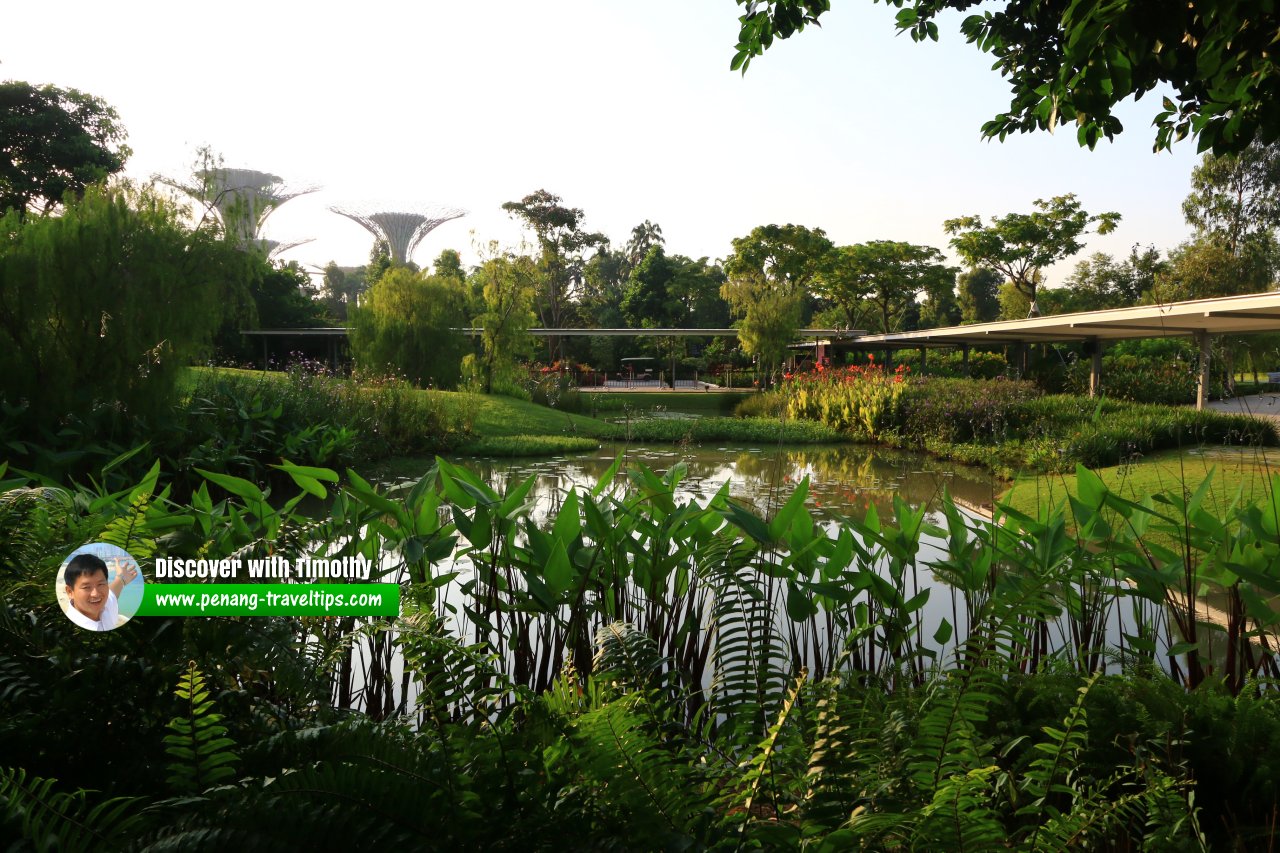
{"x":1245,"y":470}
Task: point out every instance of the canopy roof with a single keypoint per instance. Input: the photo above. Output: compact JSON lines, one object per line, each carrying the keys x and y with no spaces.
{"x":1255,"y":312}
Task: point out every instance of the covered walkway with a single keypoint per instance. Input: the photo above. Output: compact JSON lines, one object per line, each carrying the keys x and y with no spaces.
{"x":1199,"y":319}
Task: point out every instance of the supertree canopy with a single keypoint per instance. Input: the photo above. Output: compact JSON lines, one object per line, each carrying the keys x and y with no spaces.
{"x":402,"y":230}
{"x":243,"y":199}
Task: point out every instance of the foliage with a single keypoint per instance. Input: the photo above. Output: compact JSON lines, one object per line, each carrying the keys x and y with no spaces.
{"x":409,"y":324}
{"x":562,"y":680}
{"x":1100,"y":282}
{"x":562,"y":243}
{"x":861,"y":400}
{"x":201,"y":754}
{"x":977,"y":295}
{"x":1076,"y":63}
{"x":54,"y":142}
{"x":1167,"y":379}
{"x":1019,"y":245}
{"x":239,"y":422}
{"x":102,"y":306}
{"x":1207,"y":266}
{"x":1236,"y":197}
{"x":507,"y":288}
{"x":505,"y":446}
{"x":1008,"y":425}
{"x":887,"y":274}
{"x":770,"y":275}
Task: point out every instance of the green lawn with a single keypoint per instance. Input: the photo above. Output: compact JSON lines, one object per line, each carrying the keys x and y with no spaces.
{"x":1235,"y":470}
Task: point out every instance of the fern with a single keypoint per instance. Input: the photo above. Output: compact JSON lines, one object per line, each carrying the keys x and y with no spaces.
{"x":750,"y":684}
{"x":657,"y":788}
{"x":845,"y":749}
{"x":130,"y":532}
{"x":761,"y":770}
{"x":202,"y":753}
{"x":60,"y":821}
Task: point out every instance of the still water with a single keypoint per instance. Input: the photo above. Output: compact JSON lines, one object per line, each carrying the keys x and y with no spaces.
{"x":844,"y":479}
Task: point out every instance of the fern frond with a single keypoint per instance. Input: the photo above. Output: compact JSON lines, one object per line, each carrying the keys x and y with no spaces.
{"x":60,"y":821}
{"x":201,"y":751}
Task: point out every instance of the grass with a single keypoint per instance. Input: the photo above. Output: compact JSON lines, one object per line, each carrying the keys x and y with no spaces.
{"x":528,"y":445}
{"x":1236,"y":470}
{"x":705,"y":404}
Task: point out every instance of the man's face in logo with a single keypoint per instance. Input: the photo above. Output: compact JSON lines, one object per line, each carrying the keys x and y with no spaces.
{"x":89,"y":594}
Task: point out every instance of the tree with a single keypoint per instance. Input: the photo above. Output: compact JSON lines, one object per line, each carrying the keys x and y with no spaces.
{"x":644,"y":237}
{"x":507,"y":283}
{"x":1207,"y":267}
{"x":770,"y":316}
{"x":940,"y":307}
{"x":1236,"y":197}
{"x":562,"y":242}
{"x":103,"y":306}
{"x":886,"y":274}
{"x":53,"y":142}
{"x":1100,"y":282}
{"x":449,"y":265}
{"x":1020,"y":245}
{"x":1074,"y":62}
{"x":770,"y":275}
{"x":977,"y":288}
{"x":647,"y":300}
{"x":410,"y":322}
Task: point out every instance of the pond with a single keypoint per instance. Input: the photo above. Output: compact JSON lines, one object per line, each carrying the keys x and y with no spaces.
{"x":845,"y":479}
{"x":684,"y":610}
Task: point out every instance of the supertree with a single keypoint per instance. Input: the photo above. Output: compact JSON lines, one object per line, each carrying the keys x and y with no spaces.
{"x":401,"y":230}
{"x":243,"y":199}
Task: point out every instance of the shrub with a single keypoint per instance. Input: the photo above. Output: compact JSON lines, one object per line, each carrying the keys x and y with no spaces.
{"x":860,"y":399}
{"x":407,"y":324}
{"x":105,"y":304}
{"x":242,"y":421}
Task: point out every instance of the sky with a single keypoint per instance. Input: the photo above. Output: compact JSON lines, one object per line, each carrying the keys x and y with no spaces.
{"x":627,"y":110}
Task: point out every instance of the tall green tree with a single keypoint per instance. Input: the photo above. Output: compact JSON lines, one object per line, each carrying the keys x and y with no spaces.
{"x":1020,"y":245}
{"x":1100,"y":281}
{"x":977,"y":294}
{"x":102,"y":306}
{"x":770,"y":276}
{"x":508,"y":284}
{"x":886,"y":276}
{"x":1074,"y":62}
{"x":409,"y":323}
{"x":1236,"y":197}
{"x":54,"y":141}
{"x":562,"y":242}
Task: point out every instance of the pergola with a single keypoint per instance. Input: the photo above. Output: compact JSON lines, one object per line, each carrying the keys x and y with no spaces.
{"x":1199,"y":319}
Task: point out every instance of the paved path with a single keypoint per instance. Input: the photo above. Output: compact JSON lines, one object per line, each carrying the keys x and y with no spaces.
{"x":1261,"y":405}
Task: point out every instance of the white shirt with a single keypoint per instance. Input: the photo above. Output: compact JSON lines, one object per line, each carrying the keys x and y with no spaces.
{"x":106,"y":622}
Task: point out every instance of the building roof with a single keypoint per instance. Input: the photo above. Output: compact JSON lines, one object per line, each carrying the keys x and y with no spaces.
{"x":1255,"y":312}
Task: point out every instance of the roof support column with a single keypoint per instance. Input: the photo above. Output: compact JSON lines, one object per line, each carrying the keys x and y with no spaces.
{"x":1095,"y":369}
{"x":924,"y":359}
{"x":1202,"y":378}
{"x":964,"y":357}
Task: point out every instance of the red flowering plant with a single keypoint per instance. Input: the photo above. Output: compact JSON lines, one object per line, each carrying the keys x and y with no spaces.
{"x":860,"y":398}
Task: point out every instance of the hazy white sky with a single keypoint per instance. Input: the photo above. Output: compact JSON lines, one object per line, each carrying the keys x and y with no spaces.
{"x":627,"y":110}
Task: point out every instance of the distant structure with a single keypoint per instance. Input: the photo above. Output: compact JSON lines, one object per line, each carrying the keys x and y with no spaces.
{"x":274,"y":248}
{"x":243,"y":198}
{"x":403,"y":230}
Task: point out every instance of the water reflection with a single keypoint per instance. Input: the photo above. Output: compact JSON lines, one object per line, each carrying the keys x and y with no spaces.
{"x":843,"y":479}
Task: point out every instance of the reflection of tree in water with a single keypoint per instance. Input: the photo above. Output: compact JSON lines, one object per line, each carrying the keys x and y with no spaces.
{"x":847,"y":479}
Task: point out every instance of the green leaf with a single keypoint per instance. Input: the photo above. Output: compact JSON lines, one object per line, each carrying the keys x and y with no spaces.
{"x":237,"y":486}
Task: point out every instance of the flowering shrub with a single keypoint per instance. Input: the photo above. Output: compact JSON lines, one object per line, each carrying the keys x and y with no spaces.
{"x":965,"y":410}
{"x":861,"y":399}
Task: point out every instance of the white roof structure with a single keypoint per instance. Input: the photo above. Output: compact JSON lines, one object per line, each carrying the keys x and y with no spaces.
{"x":1254,"y":312}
